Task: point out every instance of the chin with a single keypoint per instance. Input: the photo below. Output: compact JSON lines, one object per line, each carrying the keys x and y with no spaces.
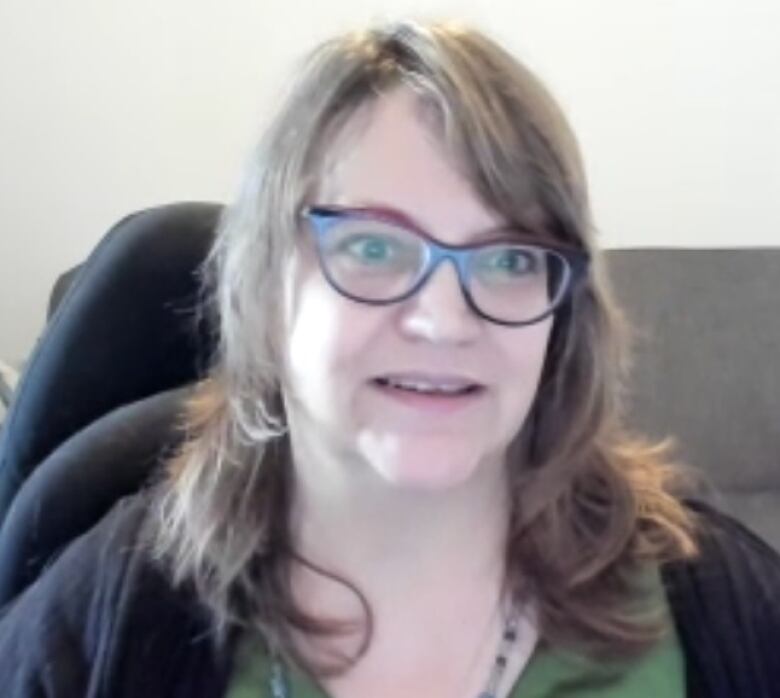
{"x":428,"y":464}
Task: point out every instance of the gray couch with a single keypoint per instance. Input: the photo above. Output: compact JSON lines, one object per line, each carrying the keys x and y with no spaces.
{"x":707,"y":367}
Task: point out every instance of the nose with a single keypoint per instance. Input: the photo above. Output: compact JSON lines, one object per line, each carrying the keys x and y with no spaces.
{"x":439,"y":312}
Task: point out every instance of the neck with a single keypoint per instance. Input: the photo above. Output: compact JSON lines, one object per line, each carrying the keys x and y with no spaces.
{"x":429,"y":564}
{"x":389,"y":540}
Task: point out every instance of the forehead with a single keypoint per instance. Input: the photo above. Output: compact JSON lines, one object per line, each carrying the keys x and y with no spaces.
{"x":388,"y":155}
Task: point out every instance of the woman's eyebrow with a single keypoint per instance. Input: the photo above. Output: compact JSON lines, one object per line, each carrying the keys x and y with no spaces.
{"x":408,"y":220}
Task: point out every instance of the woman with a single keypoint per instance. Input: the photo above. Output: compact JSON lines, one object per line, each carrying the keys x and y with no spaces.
{"x":406,"y":473}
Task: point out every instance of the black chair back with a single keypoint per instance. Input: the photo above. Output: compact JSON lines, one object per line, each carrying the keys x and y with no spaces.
{"x":99,"y":398}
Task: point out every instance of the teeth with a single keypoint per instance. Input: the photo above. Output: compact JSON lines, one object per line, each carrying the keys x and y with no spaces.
{"x":426,"y":387}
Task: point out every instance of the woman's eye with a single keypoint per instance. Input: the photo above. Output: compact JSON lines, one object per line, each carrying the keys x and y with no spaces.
{"x":511,"y":262}
{"x":371,"y":249}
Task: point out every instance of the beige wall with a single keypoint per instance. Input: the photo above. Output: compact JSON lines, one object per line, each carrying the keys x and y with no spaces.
{"x":107,"y":106}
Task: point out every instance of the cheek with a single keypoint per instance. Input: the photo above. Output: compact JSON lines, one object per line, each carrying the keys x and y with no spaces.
{"x":311,"y":328}
{"x":326,"y":335}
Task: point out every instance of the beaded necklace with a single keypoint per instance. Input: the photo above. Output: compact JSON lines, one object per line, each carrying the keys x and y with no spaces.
{"x":280,"y":685}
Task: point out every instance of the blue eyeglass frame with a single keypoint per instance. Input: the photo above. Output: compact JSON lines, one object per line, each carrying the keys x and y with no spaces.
{"x":322,"y":218}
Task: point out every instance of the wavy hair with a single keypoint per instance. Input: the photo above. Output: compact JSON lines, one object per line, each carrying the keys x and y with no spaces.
{"x":591,"y":504}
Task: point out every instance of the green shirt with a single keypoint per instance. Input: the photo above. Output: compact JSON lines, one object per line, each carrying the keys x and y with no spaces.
{"x":548,"y":674}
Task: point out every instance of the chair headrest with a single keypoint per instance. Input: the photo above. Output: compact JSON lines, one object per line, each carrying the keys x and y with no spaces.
{"x":124,"y":330}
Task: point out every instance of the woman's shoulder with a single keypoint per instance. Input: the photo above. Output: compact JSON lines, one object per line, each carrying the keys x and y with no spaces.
{"x":731,"y":560}
{"x":728,"y":546}
{"x":725,"y":602}
{"x":95,"y":559}
{"x":105,"y":619}
{"x":55,"y":630}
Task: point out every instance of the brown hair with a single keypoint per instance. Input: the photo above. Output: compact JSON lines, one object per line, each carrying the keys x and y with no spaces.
{"x":591,"y":505}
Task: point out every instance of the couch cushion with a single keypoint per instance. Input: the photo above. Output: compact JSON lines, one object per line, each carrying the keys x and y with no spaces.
{"x":707,"y":365}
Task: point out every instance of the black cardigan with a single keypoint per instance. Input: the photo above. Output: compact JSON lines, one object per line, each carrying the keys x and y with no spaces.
{"x":103,"y":622}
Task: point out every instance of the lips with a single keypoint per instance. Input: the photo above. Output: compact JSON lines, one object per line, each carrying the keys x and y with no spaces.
{"x":432,"y":385}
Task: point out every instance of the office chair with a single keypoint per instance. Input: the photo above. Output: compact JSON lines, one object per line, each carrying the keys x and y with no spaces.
{"x":99,"y":401}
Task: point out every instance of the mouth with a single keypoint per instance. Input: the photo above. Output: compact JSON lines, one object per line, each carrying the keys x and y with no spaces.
{"x":428,"y":392}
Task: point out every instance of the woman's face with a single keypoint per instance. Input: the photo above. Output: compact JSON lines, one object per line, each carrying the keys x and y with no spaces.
{"x":354,"y":371}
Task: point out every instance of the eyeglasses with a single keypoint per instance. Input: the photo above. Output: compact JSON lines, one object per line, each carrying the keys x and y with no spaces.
{"x":372,"y":258}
